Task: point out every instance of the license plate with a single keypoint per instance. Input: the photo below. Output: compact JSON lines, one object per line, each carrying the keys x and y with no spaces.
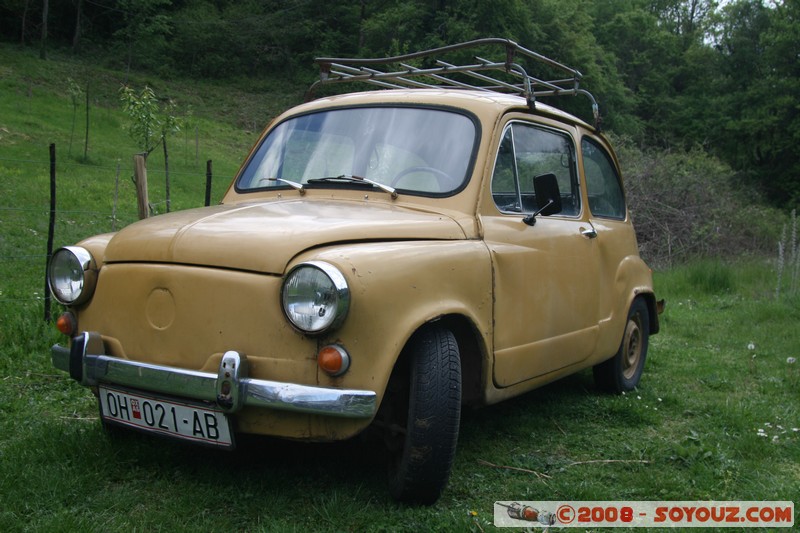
{"x":173,"y":418}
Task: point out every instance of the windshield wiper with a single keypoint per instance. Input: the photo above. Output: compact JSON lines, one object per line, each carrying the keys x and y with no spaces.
{"x":298,"y":186}
{"x":346,"y":178}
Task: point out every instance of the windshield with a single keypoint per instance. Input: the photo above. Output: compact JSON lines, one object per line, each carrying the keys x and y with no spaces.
{"x":415,"y":150}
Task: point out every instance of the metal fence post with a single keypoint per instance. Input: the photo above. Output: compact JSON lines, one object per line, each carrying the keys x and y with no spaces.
{"x":208,"y":183}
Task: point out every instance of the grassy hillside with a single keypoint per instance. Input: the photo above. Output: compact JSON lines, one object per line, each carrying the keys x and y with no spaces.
{"x":716,"y":417}
{"x":36,"y":109}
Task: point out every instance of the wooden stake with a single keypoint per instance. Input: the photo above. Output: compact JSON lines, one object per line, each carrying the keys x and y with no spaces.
{"x":140,"y":178}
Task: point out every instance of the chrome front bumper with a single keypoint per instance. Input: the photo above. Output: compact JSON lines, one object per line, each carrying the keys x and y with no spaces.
{"x":229,"y":388}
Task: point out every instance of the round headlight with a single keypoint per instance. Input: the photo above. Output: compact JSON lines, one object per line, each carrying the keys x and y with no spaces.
{"x":72,"y":275}
{"x":315,"y":297}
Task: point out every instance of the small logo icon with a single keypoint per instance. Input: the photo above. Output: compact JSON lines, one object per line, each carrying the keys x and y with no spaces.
{"x":518,"y":511}
{"x":565,"y":514}
{"x":137,"y":413}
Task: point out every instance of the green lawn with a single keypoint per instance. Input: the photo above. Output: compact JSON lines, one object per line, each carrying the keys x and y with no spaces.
{"x":716,"y":418}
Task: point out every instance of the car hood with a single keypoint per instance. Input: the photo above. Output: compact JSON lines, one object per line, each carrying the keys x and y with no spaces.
{"x":264,"y":237}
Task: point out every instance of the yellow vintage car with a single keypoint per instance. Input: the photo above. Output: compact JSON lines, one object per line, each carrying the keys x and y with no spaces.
{"x":381,"y":259}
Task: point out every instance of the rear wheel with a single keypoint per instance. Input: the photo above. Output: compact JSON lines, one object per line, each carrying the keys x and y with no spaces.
{"x":420,"y":466}
{"x":622,"y":372}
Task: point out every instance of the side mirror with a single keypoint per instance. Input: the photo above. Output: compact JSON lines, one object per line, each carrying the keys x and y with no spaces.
{"x":548,"y":197}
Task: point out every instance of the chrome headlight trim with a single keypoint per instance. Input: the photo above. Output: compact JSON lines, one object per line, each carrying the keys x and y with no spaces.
{"x":72,"y":275}
{"x":315,"y":297}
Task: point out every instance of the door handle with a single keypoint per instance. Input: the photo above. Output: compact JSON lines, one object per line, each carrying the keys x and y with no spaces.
{"x":589,"y":233}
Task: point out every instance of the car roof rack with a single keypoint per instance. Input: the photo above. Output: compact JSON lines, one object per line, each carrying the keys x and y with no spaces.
{"x":397,"y":73}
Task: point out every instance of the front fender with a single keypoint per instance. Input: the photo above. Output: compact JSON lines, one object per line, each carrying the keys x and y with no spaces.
{"x":397,"y":287}
{"x":97,"y":246}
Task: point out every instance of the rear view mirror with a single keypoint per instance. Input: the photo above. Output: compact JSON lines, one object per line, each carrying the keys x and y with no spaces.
{"x":548,"y":197}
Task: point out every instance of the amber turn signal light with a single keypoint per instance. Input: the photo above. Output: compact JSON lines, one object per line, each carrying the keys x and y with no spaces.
{"x":333,"y":360}
{"x":67,"y":324}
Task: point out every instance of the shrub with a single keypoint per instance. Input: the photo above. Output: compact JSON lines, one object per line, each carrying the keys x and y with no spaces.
{"x":685,"y":205}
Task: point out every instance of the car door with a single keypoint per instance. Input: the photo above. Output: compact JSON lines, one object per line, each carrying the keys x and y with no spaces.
{"x":615,"y":239}
{"x":546,"y":275}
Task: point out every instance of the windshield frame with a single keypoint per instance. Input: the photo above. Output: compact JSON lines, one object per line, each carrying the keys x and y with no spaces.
{"x":257,"y":153}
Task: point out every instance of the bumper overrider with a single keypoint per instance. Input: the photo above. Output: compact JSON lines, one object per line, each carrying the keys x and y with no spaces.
{"x":229,"y":388}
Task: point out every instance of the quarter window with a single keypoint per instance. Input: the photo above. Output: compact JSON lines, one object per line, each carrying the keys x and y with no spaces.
{"x":603,"y":186}
{"x":526,"y":152}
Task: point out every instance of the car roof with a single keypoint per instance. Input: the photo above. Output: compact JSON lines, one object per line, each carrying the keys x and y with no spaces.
{"x":481,"y":103}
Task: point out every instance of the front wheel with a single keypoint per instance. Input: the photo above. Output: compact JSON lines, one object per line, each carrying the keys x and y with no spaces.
{"x":420,"y":468}
{"x":622,"y":372}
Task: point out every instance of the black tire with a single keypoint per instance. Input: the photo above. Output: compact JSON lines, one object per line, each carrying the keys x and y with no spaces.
{"x":622,"y":372}
{"x":419,"y":470}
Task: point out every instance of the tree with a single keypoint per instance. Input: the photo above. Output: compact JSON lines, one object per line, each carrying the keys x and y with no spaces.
{"x":142,"y":110}
{"x":75,"y":94}
{"x":77,"y":35}
{"x":145,"y":26}
{"x":150,"y":123}
{"x":43,"y":43}
{"x":759,"y":46}
{"x":170,"y":124}
{"x":24,"y":21}
{"x":86,"y":138}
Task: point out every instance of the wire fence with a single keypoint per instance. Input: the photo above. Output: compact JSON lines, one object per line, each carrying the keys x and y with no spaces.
{"x":28,"y":235}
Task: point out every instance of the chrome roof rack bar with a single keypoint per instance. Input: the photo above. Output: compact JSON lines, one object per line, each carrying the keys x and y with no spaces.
{"x":346,"y":73}
{"x":447,"y":81}
{"x":508,"y":75}
{"x":487,"y":66}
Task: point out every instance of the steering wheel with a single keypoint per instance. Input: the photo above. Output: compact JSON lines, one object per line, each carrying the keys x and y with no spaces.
{"x":443,"y":179}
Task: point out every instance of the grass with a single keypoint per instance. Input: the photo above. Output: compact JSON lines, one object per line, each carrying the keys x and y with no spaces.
{"x":715,"y":416}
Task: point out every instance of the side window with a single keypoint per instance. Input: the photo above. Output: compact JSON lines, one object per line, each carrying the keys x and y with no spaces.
{"x":505,"y":187}
{"x":602,"y":182}
{"x":525,"y":152}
